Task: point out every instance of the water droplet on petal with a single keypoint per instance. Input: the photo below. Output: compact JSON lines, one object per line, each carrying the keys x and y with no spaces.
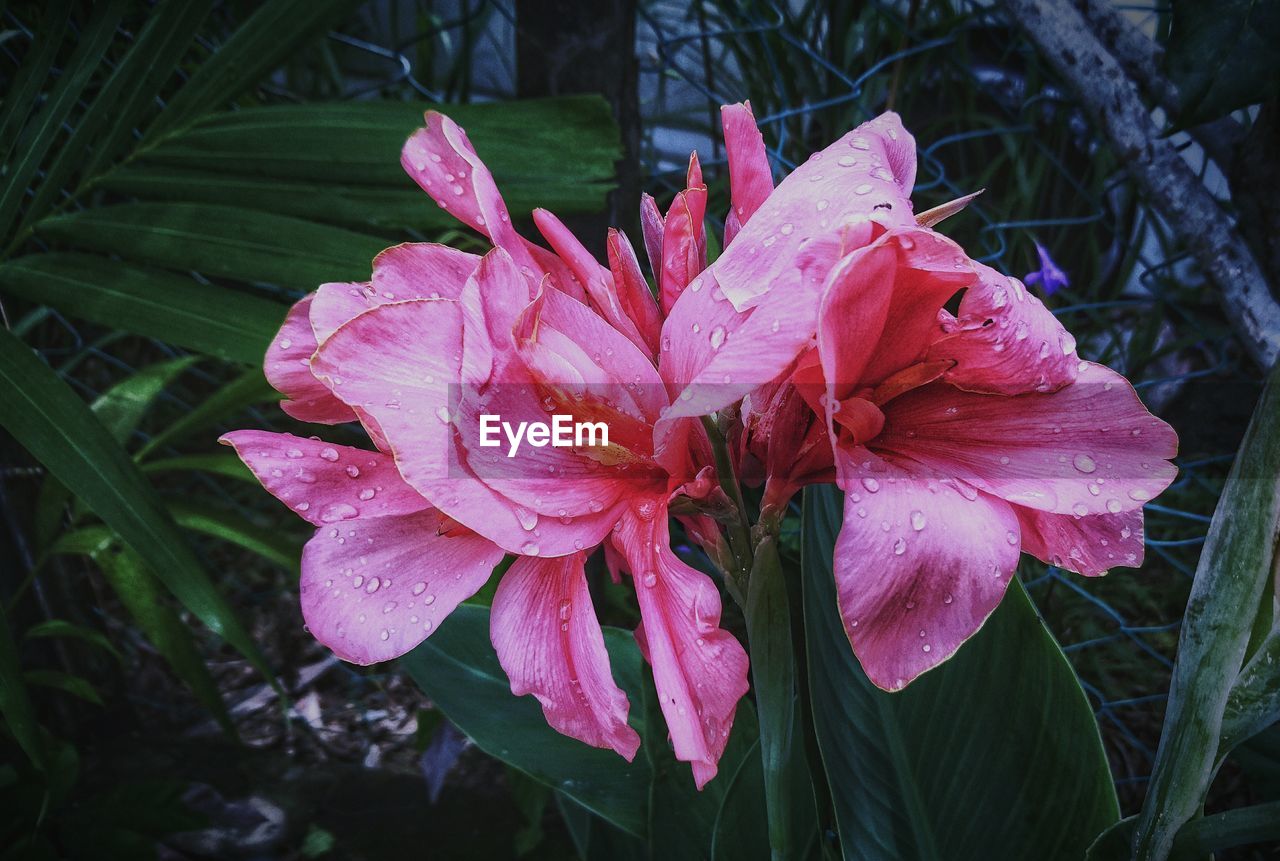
{"x":1084,"y":463}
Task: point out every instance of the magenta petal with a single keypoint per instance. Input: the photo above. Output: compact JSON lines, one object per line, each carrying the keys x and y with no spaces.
{"x":1005,"y":341}
{"x":633,"y":292}
{"x":920,"y":564}
{"x":750,"y":179}
{"x":325,"y":483}
{"x":549,"y":642}
{"x":288,"y":369}
{"x":651,"y":227}
{"x":1088,"y":545}
{"x":867,"y":174}
{"x":372,"y":589}
{"x":1088,"y":448}
{"x":422,"y":270}
{"x":684,"y":244}
{"x":700,"y":669}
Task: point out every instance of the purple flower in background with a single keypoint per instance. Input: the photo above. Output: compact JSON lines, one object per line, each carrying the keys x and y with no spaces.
{"x":1048,"y":275}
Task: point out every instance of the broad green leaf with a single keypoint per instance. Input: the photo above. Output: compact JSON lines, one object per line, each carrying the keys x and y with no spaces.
{"x":315,"y":200}
{"x":594,"y":838}
{"x":995,"y":754}
{"x":790,"y":807}
{"x":1199,"y":838}
{"x":682,"y":819}
{"x":225,"y":241}
{"x":742,"y":825}
{"x":457,"y":668}
{"x":558,"y":153}
{"x":224,"y":323}
{"x":15,"y":701}
{"x":1235,"y":564}
{"x":1222,"y":56}
{"x":278,"y":547}
{"x":141,"y":595}
{"x":270,"y":35}
{"x":46,"y":126}
{"x":244,"y":391}
{"x":77,"y":686}
{"x":1254,"y":701}
{"x":46,"y":417}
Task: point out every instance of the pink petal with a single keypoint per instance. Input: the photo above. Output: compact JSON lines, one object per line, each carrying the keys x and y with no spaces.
{"x":441,"y":159}
{"x":699,"y":669}
{"x":401,"y":363}
{"x":372,"y":589}
{"x":713,"y":354}
{"x":880,"y":305}
{"x":1089,"y":448}
{"x":325,"y":483}
{"x":750,"y":178}
{"x":633,"y":292}
{"x":549,"y":642}
{"x":684,"y":244}
{"x":596,"y":280}
{"x":422,"y":270}
{"x":867,"y":173}
{"x":1005,"y":341}
{"x":1087,"y":545}
{"x":651,"y":227}
{"x":920,"y":564}
{"x":287,"y":367}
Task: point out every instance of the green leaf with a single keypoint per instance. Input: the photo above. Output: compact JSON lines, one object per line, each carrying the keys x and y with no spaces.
{"x":244,"y":391}
{"x":279,"y":548}
{"x":682,"y":819}
{"x":790,"y":807}
{"x":1254,"y":701}
{"x":223,"y":323}
{"x":1235,"y":564}
{"x":457,"y":668}
{"x":63,"y":628}
{"x":132,"y":89}
{"x":995,"y":754}
{"x":33,"y":74}
{"x":226,"y":465}
{"x":1222,"y":56}
{"x":315,"y":200}
{"x":298,"y":160}
{"x":271,"y":35}
{"x":15,"y":702}
{"x":122,"y":407}
{"x":225,"y":241}
{"x":741,"y":829}
{"x":141,"y":595}
{"x":50,"y":421}
{"x":46,"y":126}
{"x":65,"y":682}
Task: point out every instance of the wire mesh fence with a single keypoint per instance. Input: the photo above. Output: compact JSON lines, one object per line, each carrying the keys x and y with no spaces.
{"x":986,"y":113}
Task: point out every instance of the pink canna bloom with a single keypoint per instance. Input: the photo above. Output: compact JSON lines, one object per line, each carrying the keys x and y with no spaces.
{"x":436,"y":340}
{"x":958,"y":440}
{"x":821,"y":340}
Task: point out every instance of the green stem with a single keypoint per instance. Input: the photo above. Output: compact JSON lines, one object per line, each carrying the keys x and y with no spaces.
{"x":739,"y":530}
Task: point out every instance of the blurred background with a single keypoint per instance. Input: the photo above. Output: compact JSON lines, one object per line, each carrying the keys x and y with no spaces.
{"x":161,"y":207}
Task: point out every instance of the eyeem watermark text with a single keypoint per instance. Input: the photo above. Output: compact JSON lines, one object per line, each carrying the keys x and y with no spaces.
{"x":563,"y":432}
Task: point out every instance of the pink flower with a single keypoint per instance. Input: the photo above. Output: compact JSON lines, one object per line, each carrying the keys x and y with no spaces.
{"x":821,"y":340}
{"x":958,"y":440}
{"x":434,"y":342}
